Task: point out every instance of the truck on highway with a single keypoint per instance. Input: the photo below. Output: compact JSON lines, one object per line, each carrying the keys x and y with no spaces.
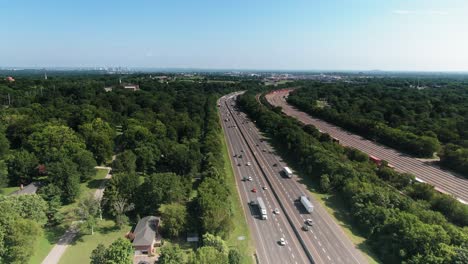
{"x":375,"y":160}
{"x":306,"y":203}
{"x":287,"y":172}
{"x":261,"y":207}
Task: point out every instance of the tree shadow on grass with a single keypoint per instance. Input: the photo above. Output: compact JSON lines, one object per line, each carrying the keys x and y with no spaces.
{"x":53,"y":234}
{"x":109,"y":229}
{"x":96,"y":183}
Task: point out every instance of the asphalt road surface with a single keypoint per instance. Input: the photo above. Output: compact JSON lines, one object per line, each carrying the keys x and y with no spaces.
{"x":266,"y":233}
{"x":325,"y":241}
{"x":443,"y":180}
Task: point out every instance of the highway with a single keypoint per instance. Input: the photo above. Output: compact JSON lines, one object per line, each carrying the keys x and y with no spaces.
{"x":325,"y":242}
{"x":443,"y":180}
{"x":266,"y":233}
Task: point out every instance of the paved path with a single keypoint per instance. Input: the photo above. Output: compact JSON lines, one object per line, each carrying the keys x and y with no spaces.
{"x":57,"y":251}
{"x":28,"y":189}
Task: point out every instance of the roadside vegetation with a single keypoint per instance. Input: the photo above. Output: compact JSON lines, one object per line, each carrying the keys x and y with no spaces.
{"x":420,"y":120}
{"x":401,"y":219}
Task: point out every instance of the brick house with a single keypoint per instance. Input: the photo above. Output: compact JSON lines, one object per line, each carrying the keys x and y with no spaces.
{"x":146,"y":235}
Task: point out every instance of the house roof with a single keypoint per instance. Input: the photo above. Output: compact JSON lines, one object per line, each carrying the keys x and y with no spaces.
{"x":145,"y":231}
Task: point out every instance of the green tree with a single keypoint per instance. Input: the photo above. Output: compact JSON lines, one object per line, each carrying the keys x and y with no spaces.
{"x":174,"y":218}
{"x":160,"y":188}
{"x":99,"y":137}
{"x":325,"y":184}
{"x":120,"y":252}
{"x":98,"y":255}
{"x":172,"y":254}
{"x":234,"y":256}
{"x":121,"y":206}
{"x":64,"y":174}
{"x":216,"y":242}
{"x":3,"y":174}
{"x":88,"y":210}
{"x":4,"y":144}
{"x":85,"y":164}
{"x":125,"y":162}
{"x":18,"y":240}
{"x":53,"y":142}
{"x":210,"y":255}
{"x":22,"y":166}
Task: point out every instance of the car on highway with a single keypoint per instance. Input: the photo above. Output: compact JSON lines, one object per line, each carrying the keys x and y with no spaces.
{"x":235,"y":155}
{"x":238,"y":164}
{"x":282,"y":242}
{"x":264,"y":188}
{"x":254,"y":190}
{"x":275,"y":165}
{"x":248,"y":163}
{"x":276,"y":211}
{"x":305,"y":228}
{"x":264,"y":150}
{"x":309,"y":221}
{"x":240,"y":156}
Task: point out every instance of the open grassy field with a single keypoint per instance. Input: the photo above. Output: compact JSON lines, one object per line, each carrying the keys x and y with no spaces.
{"x":240,"y":236}
{"x":80,"y":251}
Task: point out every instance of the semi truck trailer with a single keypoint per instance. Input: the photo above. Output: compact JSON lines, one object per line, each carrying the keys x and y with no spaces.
{"x":306,"y":203}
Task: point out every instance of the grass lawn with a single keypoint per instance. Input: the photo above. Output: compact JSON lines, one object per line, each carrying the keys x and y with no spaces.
{"x":240,"y":236}
{"x":8,"y":190}
{"x":80,"y":251}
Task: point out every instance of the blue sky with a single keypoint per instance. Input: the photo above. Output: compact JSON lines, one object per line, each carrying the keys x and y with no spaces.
{"x":427,"y":35}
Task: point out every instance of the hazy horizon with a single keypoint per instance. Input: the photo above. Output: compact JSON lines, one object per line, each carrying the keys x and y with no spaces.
{"x":359,"y":35}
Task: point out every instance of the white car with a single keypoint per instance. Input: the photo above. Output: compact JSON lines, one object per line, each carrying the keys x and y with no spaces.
{"x":282,"y":241}
{"x":250,"y":178}
{"x":276,"y":211}
{"x":264,"y":188}
{"x":309,"y":222}
{"x":248,"y":163}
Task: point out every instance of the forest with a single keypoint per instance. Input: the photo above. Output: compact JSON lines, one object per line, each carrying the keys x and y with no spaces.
{"x":166,"y":139}
{"x":419,"y":120}
{"x":403,"y":221}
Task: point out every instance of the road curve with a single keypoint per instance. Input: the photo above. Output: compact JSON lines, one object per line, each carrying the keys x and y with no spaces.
{"x":443,"y":180}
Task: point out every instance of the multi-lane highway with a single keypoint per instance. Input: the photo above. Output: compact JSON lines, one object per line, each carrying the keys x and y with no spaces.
{"x":324,"y":242}
{"x":444,"y":181}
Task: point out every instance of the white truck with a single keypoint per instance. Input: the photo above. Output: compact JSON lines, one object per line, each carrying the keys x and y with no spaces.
{"x":288,"y":172}
{"x":306,"y":203}
{"x":262,"y":208}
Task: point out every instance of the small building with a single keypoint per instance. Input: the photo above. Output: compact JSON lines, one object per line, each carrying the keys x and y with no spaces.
{"x":146,"y":235}
{"x":10,"y":79}
{"x":193,"y":238}
{"x":133,"y":87}
{"x":108,"y":89}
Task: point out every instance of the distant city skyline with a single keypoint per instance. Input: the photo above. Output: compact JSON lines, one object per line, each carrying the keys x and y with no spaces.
{"x":297,"y":35}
